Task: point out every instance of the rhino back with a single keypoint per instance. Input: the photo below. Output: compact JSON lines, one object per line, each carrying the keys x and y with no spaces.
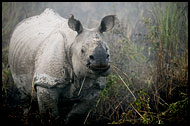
{"x":28,"y":37}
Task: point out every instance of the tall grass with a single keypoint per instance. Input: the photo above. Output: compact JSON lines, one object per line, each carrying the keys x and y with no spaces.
{"x":169,"y":36}
{"x":167,"y":98}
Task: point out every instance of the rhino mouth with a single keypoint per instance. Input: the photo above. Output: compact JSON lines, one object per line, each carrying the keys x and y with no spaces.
{"x":99,"y":68}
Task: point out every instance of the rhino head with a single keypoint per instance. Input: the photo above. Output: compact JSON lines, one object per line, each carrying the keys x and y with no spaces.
{"x":90,"y":52}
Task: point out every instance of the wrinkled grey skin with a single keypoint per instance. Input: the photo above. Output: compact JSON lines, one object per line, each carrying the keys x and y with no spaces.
{"x":57,"y":55}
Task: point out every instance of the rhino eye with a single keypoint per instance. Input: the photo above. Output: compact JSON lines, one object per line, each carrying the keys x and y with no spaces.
{"x":106,"y":49}
{"x":83,"y":50}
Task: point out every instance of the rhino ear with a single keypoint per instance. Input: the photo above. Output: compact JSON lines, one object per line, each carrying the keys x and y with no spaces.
{"x":107,"y":23}
{"x":75,"y":24}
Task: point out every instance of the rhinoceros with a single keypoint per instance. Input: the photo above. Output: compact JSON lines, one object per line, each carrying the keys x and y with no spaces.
{"x":54,"y":59}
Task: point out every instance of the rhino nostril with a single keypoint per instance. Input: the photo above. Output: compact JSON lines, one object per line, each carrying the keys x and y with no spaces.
{"x":108,"y":56}
{"x":91,"y":57}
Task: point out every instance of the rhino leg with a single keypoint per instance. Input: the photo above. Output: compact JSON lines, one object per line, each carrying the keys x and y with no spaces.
{"x":81,"y":109}
{"x":47,"y":101}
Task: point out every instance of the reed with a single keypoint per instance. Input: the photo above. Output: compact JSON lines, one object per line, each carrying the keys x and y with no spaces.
{"x":169,"y":37}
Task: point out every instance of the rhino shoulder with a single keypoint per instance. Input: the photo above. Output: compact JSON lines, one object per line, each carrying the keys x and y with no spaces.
{"x":50,"y":59}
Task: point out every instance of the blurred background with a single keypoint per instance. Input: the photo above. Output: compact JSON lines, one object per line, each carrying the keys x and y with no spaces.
{"x":149,"y":54}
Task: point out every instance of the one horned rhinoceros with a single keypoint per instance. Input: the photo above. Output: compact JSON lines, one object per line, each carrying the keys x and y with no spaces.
{"x":61,"y":60}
